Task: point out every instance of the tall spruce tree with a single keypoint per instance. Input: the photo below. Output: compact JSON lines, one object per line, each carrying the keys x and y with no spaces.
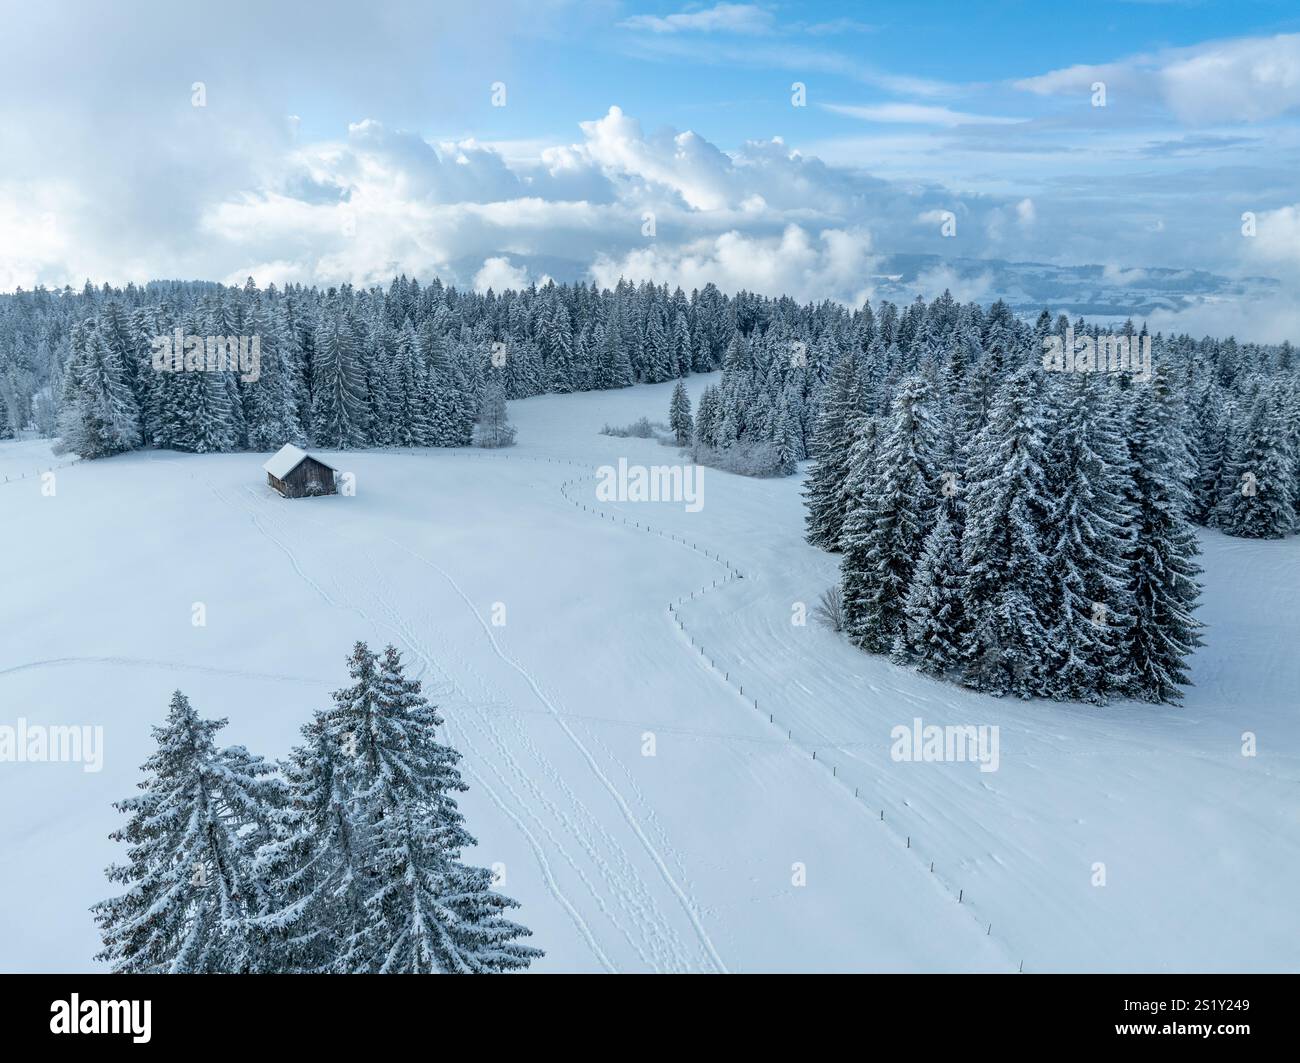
{"x":1261,"y":503}
{"x":823,"y":490}
{"x":338,"y":417}
{"x":896,"y":514}
{"x":425,"y":910}
{"x":1087,"y":537}
{"x":100,"y":414}
{"x":191,"y":837}
{"x":1007,"y":595}
{"x":679,"y":416}
{"x":1161,"y":560}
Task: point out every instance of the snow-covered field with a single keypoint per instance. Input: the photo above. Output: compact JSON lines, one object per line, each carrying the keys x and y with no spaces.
{"x":689,"y":859}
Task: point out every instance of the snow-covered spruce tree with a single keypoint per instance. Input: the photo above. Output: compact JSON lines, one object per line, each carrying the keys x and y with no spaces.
{"x":191,"y":836}
{"x":613,"y":364}
{"x":462,"y":403}
{"x":679,"y":415}
{"x":709,"y":417}
{"x":100,"y":415}
{"x":658,"y":348}
{"x":207,"y":423}
{"x":406,"y":385}
{"x":273,"y":399}
{"x":1210,"y":427}
{"x":315,"y":856}
{"x":1007,"y":595}
{"x":1261,"y":503}
{"x":1161,"y":560}
{"x":823,"y":491}
{"x":1087,"y":538}
{"x":859,"y":517}
{"x":935,"y":626}
{"x":557,"y":349}
{"x":936,"y":629}
{"x":425,"y":910}
{"x":895,"y":516}
{"x":338,"y":416}
{"x":681,"y":344}
{"x":785,"y":443}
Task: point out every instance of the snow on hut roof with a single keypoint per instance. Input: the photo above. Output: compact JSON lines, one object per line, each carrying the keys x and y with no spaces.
{"x":288,"y":458}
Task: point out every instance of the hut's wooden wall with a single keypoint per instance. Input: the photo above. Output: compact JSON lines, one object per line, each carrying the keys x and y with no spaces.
{"x":298,"y":483}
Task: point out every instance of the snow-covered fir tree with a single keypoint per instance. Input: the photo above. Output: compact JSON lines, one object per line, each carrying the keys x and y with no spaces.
{"x":1007,"y":592}
{"x":679,"y":416}
{"x":1162,"y":558}
{"x":1087,"y":538}
{"x":1260,"y":472}
{"x":425,"y":911}
{"x":883,"y":540}
{"x":191,"y":836}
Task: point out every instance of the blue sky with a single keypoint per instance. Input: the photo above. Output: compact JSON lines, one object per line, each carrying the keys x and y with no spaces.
{"x":338,"y":142}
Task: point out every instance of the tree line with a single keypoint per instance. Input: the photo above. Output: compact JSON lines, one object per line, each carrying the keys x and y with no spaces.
{"x":416,"y":365}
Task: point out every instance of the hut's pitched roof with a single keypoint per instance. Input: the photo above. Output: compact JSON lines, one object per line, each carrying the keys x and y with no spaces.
{"x":288,"y":458}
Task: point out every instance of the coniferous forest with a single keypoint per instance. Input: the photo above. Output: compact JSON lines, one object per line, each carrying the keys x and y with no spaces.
{"x":1017,"y":529}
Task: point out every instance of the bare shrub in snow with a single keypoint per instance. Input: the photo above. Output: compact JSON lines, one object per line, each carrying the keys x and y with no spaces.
{"x":830,"y":608}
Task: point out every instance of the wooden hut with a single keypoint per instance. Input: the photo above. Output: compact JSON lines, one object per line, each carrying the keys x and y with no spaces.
{"x":296,"y":474}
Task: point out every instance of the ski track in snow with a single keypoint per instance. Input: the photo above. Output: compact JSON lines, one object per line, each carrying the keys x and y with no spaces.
{"x":169,"y":666}
{"x":628,"y":879}
{"x":586,"y":753}
{"x":465,"y":741}
{"x":637,"y":905}
{"x":734,"y":574}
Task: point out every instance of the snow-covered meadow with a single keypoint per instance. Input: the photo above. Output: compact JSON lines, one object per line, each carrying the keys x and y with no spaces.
{"x":538,"y":617}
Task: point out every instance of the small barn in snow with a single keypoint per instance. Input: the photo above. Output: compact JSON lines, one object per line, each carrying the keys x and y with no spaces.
{"x":296,"y":474}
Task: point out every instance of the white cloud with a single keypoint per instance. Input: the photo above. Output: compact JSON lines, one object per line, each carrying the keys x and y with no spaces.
{"x":1252,"y":320}
{"x":498,"y":274}
{"x":964,"y":289}
{"x":1246,"y":80}
{"x":378,"y":201}
{"x":721,"y":18}
{"x":834,"y":264}
{"x":1114,"y":274}
{"x":916,"y":114}
{"x":1277,"y":237}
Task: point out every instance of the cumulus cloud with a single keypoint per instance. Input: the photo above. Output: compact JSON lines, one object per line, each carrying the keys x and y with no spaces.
{"x":379,"y":200}
{"x":1277,"y":238}
{"x":1245,"y":80}
{"x":834,"y":264}
{"x":498,"y":274}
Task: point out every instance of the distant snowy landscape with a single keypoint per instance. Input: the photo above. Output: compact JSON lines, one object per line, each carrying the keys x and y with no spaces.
{"x":563,"y":638}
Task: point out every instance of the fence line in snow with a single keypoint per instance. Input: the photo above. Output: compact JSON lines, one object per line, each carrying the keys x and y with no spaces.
{"x":39,"y":471}
{"x":725,"y":674}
